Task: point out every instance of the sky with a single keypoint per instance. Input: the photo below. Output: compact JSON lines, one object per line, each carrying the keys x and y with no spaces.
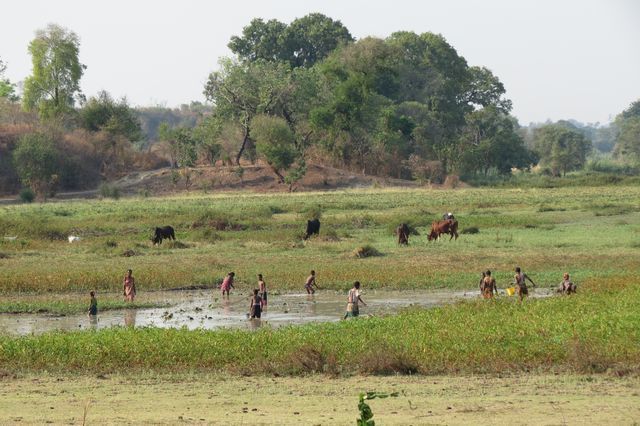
{"x":558,"y":59}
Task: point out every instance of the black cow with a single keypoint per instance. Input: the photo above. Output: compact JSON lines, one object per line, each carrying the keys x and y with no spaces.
{"x":402,"y":232}
{"x":313,"y":227}
{"x":166,"y":232}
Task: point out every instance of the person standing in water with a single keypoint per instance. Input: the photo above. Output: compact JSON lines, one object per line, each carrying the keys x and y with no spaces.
{"x":227,"y":284}
{"x":129,"y":286}
{"x":310,"y":283}
{"x":255,"y":308}
{"x":262,"y":291}
{"x":520,"y":282}
{"x":488,"y":285}
{"x":353,"y":298}
{"x":93,"y":304}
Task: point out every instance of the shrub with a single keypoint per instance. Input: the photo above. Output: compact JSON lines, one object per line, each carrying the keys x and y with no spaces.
{"x":366,"y":251}
{"x":109,"y":191}
{"x":27,"y":195}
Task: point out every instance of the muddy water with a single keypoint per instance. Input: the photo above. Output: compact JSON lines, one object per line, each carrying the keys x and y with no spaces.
{"x":207,"y":310}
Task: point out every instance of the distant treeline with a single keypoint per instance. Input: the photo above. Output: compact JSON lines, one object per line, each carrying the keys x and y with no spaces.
{"x":406,"y":106}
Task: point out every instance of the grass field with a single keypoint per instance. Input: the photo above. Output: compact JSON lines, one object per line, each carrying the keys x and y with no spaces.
{"x":591,"y":232}
{"x":558,"y":360}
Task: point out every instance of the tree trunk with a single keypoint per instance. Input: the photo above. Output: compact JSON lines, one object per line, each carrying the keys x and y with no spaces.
{"x":244,"y":145}
{"x":277,"y":172}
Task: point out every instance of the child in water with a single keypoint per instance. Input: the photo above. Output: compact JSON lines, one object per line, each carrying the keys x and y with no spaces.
{"x":255,"y":309}
{"x":262,"y":291}
{"x":311,"y":281}
{"x":129,"y":286}
{"x":93,"y":306}
{"x":227,"y":283}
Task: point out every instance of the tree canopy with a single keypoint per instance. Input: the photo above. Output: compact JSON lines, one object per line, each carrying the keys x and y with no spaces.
{"x":302,"y":43}
{"x":627,"y":140}
{"x":560,"y":148}
{"x":54,"y":85}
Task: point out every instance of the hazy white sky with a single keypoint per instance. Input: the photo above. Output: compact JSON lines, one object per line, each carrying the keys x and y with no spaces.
{"x":558,"y":59}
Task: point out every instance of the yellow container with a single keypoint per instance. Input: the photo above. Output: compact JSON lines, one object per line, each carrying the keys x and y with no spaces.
{"x":510,"y":291}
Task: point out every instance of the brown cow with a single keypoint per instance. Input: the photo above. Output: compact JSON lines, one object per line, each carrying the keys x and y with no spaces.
{"x":449,"y":226}
{"x":402,"y":232}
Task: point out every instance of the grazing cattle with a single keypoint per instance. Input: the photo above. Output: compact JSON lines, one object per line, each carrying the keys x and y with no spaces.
{"x":402,"y":232}
{"x":440,"y":227}
{"x":163,"y":233}
{"x":313,"y":228}
{"x":73,"y":238}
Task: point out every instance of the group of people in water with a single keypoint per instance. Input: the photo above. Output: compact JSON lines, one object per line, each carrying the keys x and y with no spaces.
{"x":258,"y":303}
{"x":488,"y":286}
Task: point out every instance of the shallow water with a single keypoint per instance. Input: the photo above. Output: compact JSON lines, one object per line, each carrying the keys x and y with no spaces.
{"x":206,"y":309}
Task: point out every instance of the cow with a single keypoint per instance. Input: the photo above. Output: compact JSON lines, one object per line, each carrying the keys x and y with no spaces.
{"x":313,"y":228}
{"x":166,"y":232}
{"x":402,"y":232}
{"x":449,"y":226}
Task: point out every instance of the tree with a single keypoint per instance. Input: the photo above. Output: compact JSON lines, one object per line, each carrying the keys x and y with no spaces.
{"x":491,"y":142}
{"x":36,"y":159}
{"x":312,"y":38}
{"x":260,"y":41}
{"x":55,"y":83}
{"x":628,"y":136}
{"x":275,"y":142}
{"x":303,"y":43}
{"x":241,"y":91}
{"x":103,"y":113}
{"x":7,"y":89}
{"x":628,"y":140}
{"x":560,"y":148}
{"x":182,"y":145}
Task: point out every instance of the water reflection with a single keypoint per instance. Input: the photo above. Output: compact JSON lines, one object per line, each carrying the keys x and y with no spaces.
{"x":255,"y":323}
{"x":130,"y":317}
{"x":93,"y":322}
{"x":311,"y":305}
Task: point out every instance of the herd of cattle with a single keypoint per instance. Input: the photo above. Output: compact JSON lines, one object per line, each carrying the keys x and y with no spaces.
{"x":447,"y":226}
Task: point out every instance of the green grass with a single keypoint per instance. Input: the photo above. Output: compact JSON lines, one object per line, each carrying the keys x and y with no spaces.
{"x":588,"y":231}
{"x":594,"y":331}
{"x":591,"y":232}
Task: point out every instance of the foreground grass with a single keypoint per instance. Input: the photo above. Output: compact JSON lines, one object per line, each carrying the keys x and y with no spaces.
{"x":590,"y":232}
{"x":317,"y":400}
{"x":596,"y":330}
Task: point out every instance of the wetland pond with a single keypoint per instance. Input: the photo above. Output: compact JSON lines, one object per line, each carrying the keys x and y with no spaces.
{"x":206,"y":309}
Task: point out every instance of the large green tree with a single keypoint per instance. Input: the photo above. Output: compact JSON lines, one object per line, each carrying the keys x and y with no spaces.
{"x":240,"y":91}
{"x":54,"y":85}
{"x":491,"y":141}
{"x":627,"y":140}
{"x":561,"y":149}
